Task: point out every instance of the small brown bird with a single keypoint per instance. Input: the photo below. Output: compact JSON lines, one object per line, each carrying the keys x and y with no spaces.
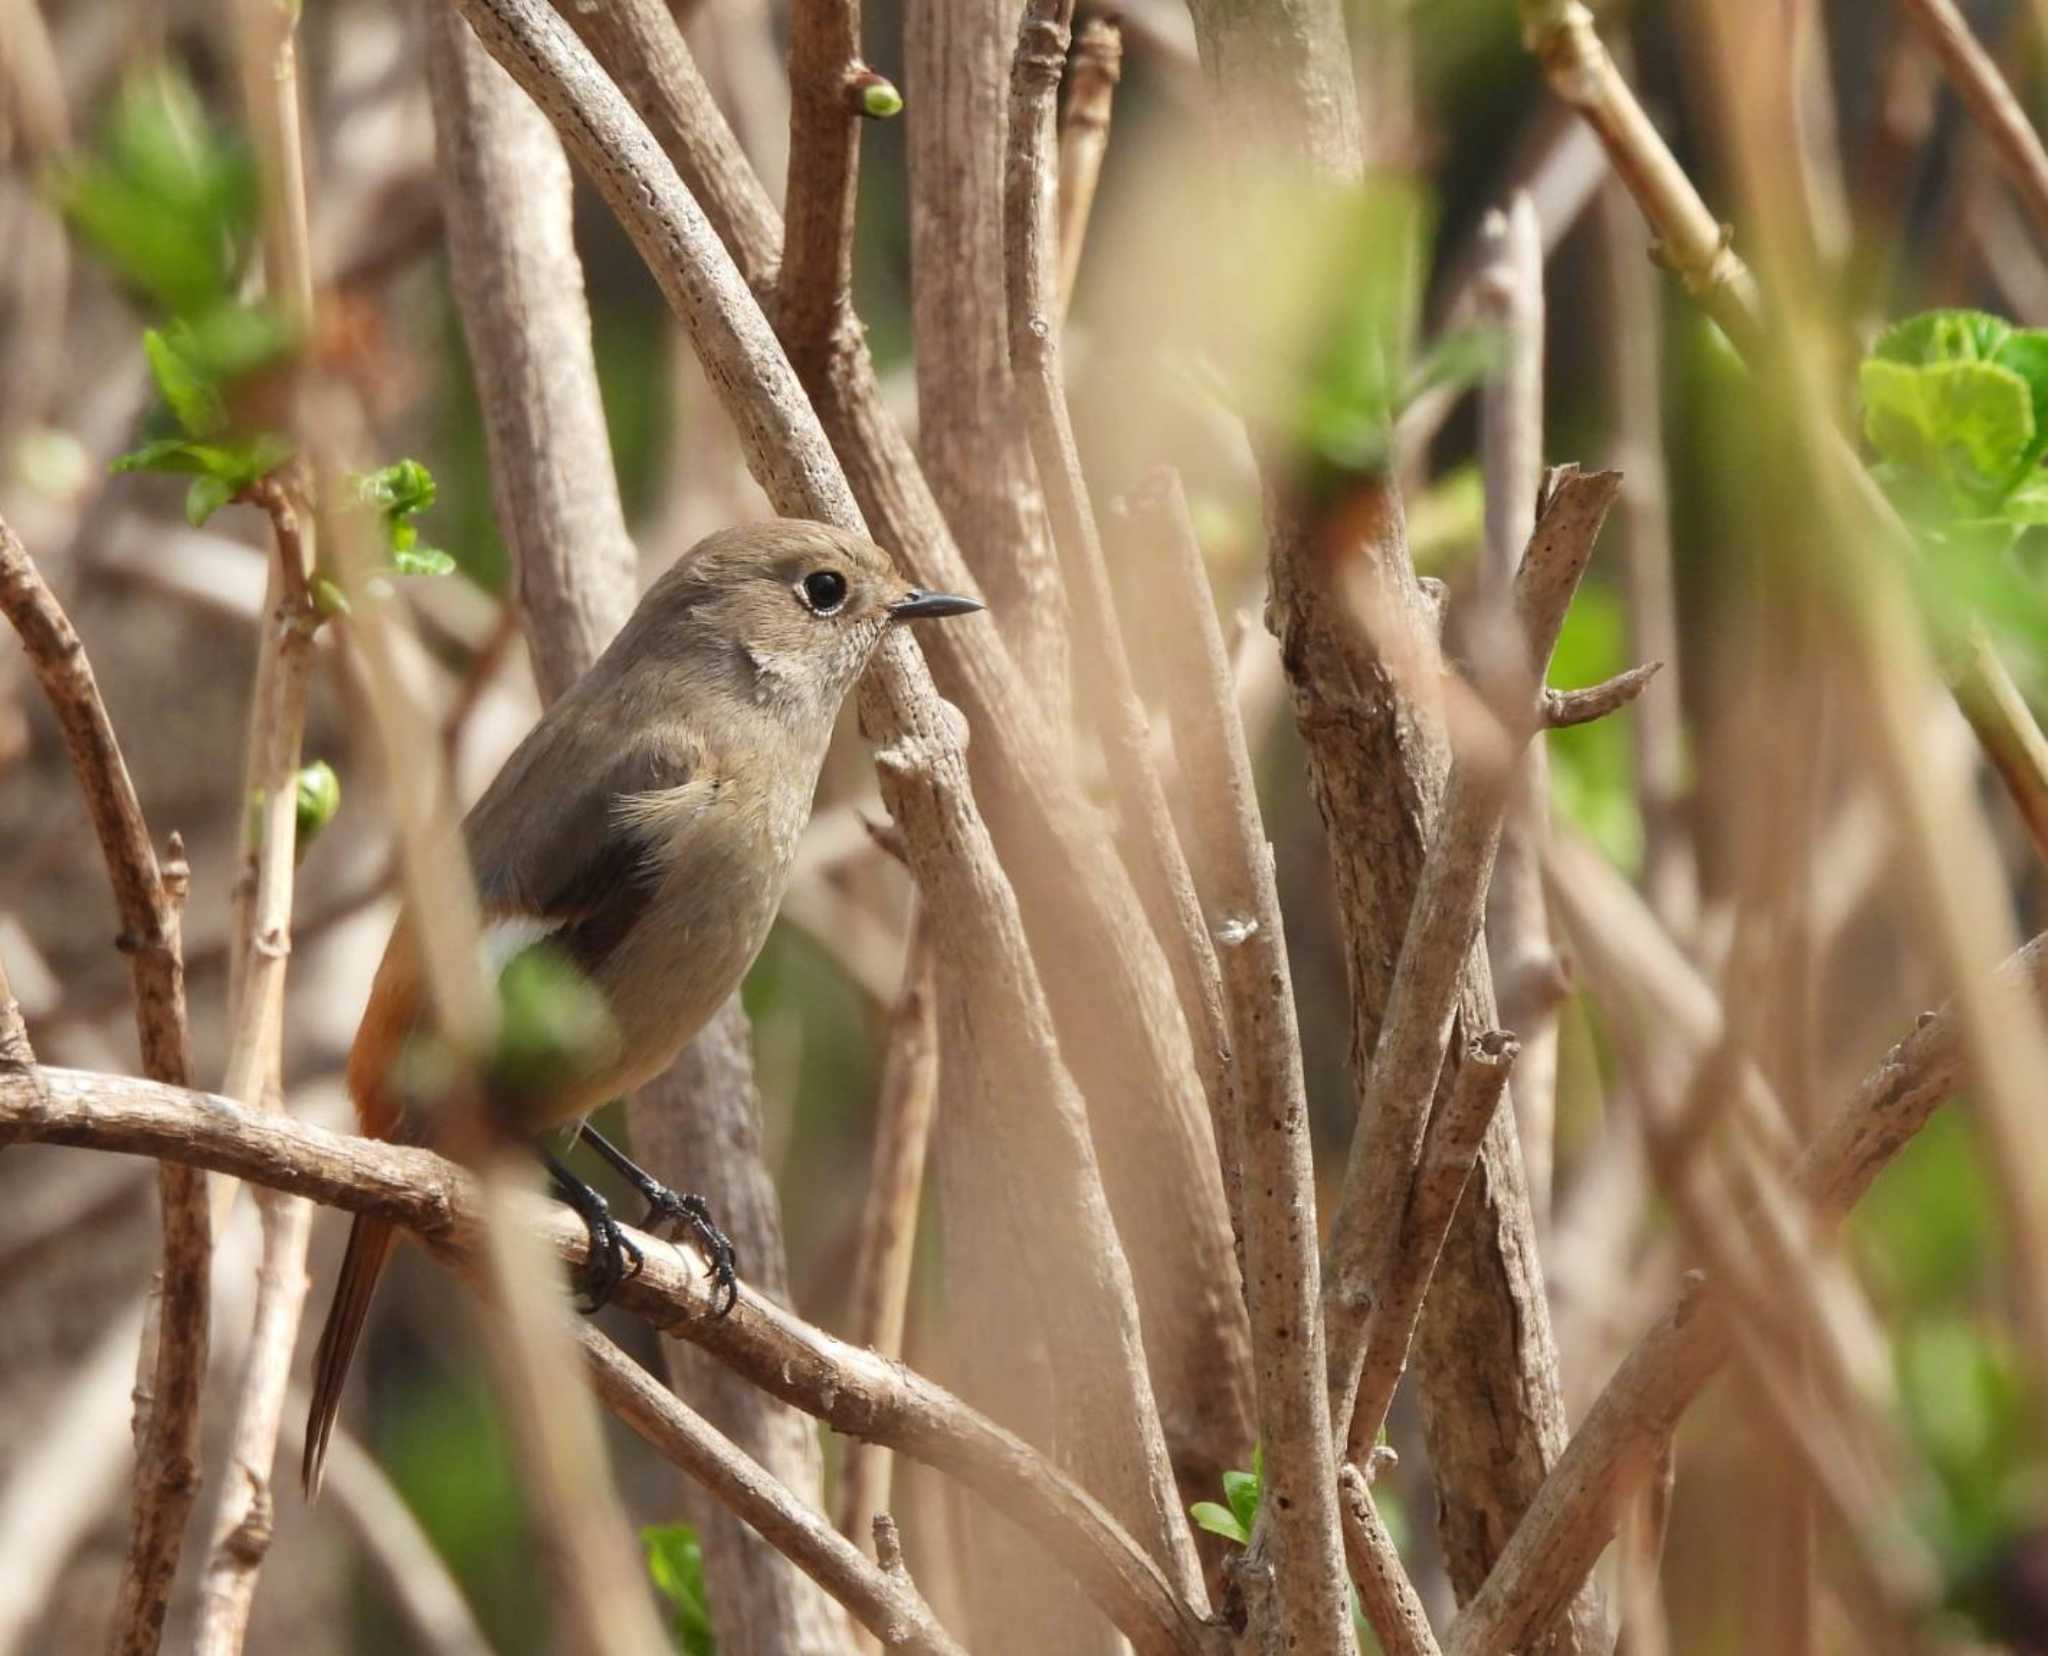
{"x":644,"y":828}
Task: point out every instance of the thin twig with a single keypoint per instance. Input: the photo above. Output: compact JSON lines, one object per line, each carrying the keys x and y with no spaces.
{"x":1635,"y":362}
{"x":1990,"y":101}
{"x":1691,"y":241}
{"x":1271,"y":1125}
{"x":1449,"y":902}
{"x":172,"y":1368}
{"x":883,"y":1602}
{"x":1449,"y":1151}
{"x":1621,"y":1441}
{"x":880,"y":1290}
{"x":1389,"y":1598}
{"x":1527,"y":975}
{"x":1084,"y":139}
{"x":853,"y":1391}
{"x":242,"y":1526}
{"x":1565,"y":708}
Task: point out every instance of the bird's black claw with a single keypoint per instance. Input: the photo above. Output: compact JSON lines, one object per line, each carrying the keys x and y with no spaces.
{"x":665,"y":1207}
{"x":613,"y":1259}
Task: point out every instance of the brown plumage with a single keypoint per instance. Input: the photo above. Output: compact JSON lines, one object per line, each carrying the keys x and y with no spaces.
{"x":646,"y":827}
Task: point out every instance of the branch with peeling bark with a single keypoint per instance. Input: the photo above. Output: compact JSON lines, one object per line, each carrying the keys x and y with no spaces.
{"x":854,"y":1391}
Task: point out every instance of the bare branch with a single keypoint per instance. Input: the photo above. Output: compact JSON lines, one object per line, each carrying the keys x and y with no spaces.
{"x":882,"y":1601}
{"x":1988,"y":98}
{"x":1084,"y":137}
{"x":398,"y":1548}
{"x":1620,"y":1444}
{"x":1690,"y":240}
{"x":1388,"y":1596}
{"x":1518,"y":942}
{"x":1449,"y":903}
{"x":1271,"y":1125}
{"x":1564,"y":708}
{"x":855,"y":1392}
{"x":173,"y":1361}
{"x":888,"y":1223}
{"x":1457,"y":1128}
{"x":813,"y":298}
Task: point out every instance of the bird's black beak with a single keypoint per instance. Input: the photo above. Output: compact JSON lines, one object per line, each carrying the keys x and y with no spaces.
{"x":931,"y":606}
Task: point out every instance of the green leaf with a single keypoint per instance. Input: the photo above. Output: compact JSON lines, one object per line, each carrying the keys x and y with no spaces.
{"x":1970,"y":424}
{"x":1241,"y":1490}
{"x":207,"y":496}
{"x":1221,"y":1521}
{"x":188,"y":390}
{"x":675,"y":1560}
{"x":399,"y":489}
{"x":422,"y":560}
{"x":1942,"y":336}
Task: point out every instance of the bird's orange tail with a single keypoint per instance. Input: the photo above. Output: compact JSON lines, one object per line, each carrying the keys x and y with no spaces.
{"x":369,"y":1246}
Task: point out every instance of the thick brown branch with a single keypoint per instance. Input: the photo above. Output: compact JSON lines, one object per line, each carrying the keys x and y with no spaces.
{"x":856,"y":1392}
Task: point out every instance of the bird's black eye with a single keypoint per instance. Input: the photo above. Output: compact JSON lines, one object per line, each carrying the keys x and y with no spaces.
{"x":824,"y":590}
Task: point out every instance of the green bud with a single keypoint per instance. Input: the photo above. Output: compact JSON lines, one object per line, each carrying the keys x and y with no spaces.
{"x":875,"y":96}
{"x":319,"y":797}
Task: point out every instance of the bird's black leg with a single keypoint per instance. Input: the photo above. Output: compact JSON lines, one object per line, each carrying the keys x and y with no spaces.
{"x":612,"y":1258}
{"x":665,"y":1207}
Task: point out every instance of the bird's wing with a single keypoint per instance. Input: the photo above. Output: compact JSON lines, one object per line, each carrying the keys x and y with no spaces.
{"x":572,"y":857}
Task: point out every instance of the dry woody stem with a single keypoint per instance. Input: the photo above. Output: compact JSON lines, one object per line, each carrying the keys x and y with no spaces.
{"x":885,"y":1604}
{"x":1271,"y":1130}
{"x":173,"y":1361}
{"x":1084,"y":139}
{"x":1449,"y":905}
{"x":1388,"y":1597}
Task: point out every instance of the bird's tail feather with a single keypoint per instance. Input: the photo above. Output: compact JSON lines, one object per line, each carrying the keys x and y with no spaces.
{"x":369,"y":1246}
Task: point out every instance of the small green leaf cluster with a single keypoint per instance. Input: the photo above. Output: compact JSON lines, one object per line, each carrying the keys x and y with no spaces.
{"x":168,"y":202}
{"x":1234,"y":1520}
{"x":398,"y":493}
{"x":675,"y":1559}
{"x":1956,"y":404}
